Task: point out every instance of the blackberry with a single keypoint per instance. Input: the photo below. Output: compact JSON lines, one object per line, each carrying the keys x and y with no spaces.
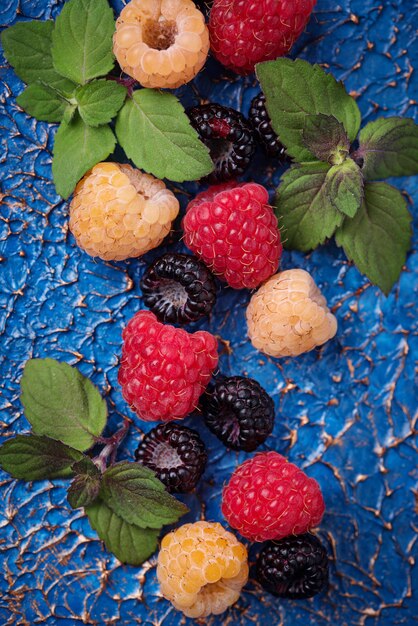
{"x":294,"y":567}
{"x":260,"y":121}
{"x":176,"y":454}
{"x":178,"y":288}
{"x":228,"y":136}
{"x":239,"y":412}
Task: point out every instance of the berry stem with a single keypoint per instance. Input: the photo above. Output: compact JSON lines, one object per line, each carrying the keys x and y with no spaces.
{"x":108,"y":454}
{"x":129,"y":83}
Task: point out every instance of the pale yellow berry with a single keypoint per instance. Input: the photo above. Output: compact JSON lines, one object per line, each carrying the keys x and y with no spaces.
{"x":119,"y":212}
{"x":288,"y":315}
{"x":161,"y":43}
{"x":207,"y":571}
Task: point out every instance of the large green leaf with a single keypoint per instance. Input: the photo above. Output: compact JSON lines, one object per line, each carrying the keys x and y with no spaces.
{"x":61,"y":403}
{"x":127,"y":542}
{"x":378,"y":237}
{"x":82,"y":40}
{"x":42,"y":102}
{"x":154,"y":130}
{"x":294,"y":89}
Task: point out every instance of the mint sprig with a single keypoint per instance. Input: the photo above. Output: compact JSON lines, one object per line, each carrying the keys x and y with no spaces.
{"x":65,"y":64}
{"x":327,"y":191}
{"x":125,"y":502}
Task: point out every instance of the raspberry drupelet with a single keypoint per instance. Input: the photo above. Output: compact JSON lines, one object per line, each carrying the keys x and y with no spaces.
{"x":245,"y":33}
{"x":161,"y":43}
{"x":234,"y":231}
{"x":202,"y":568}
{"x":288,"y":315}
{"x":164,"y":370}
{"x":269,"y":498}
{"x":119,"y":212}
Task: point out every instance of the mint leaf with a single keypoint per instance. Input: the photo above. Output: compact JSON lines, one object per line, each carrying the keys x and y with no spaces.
{"x":294,"y":89}
{"x":378,"y":237}
{"x":128,"y":543}
{"x":389,"y":147}
{"x":27,"y":46}
{"x":43,"y":103}
{"x":303,"y":209}
{"x":99,"y":101}
{"x":84,"y":489}
{"x":169,"y":147}
{"x":61,"y":403}
{"x":344,"y":187}
{"x":82,"y":40}
{"x":326,"y":138}
{"x":135,"y":494}
{"x":34,"y":457}
{"x":77,"y":149}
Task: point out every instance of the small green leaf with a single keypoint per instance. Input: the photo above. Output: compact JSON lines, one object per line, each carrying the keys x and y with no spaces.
{"x":303,"y":209}
{"x":77,"y":149}
{"x":154,"y":130}
{"x":127,"y":542}
{"x":326,"y":138}
{"x":34,"y":457}
{"x":99,"y":101}
{"x":84,"y":489}
{"x":43,"y":103}
{"x":389,"y":147}
{"x":82,"y":40}
{"x":27,"y":46}
{"x":294,"y":89}
{"x":344,"y":187}
{"x":378,"y":237}
{"x":61,"y":403}
{"x":135,"y":494}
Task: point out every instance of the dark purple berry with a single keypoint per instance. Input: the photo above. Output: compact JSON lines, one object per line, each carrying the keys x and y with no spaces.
{"x":228,"y":136}
{"x":178,"y":288}
{"x":293,"y":567}
{"x":176,"y":454}
{"x":263,"y":130}
{"x":239,"y":412}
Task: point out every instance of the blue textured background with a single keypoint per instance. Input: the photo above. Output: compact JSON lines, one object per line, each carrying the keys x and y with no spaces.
{"x":345,"y":412}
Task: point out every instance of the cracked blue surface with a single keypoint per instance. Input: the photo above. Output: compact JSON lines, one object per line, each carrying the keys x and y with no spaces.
{"x":346,"y":413}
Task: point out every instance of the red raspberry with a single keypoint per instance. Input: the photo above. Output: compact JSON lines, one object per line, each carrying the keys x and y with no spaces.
{"x":246,"y":32}
{"x":234,"y":231}
{"x":164,"y":370}
{"x":269,"y":498}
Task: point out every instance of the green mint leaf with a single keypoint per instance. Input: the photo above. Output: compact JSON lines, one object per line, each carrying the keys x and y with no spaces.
{"x":378,"y":237}
{"x":34,"y":457}
{"x":43,"y":103}
{"x":344,"y":187}
{"x":294,"y":89}
{"x":61,"y":403}
{"x":84,"y":489}
{"x":389,"y":147}
{"x":99,"y":101}
{"x":82,"y":40}
{"x":27,"y":46}
{"x":127,"y":542}
{"x":135,"y":494}
{"x":326,"y":138}
{"x":307,"y":216}
{"x":154,"y":130}
{"x":77,"y":149}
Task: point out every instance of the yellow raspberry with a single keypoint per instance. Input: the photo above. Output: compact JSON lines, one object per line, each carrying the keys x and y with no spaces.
{"x":202,"y":568}
{"x":288,"y":315}
{"x":161,"y":43}
{"x":119,"y":212}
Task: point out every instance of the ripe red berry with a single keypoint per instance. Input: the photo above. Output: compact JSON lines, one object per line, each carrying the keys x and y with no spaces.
{"x":269,"y":498}
{"x":234,"y":231}
{"x":246,"y":32}
{"x":164,"y":370}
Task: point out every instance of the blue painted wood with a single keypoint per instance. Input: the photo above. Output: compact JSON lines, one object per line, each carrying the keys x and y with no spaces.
{"x":345,"y":413}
